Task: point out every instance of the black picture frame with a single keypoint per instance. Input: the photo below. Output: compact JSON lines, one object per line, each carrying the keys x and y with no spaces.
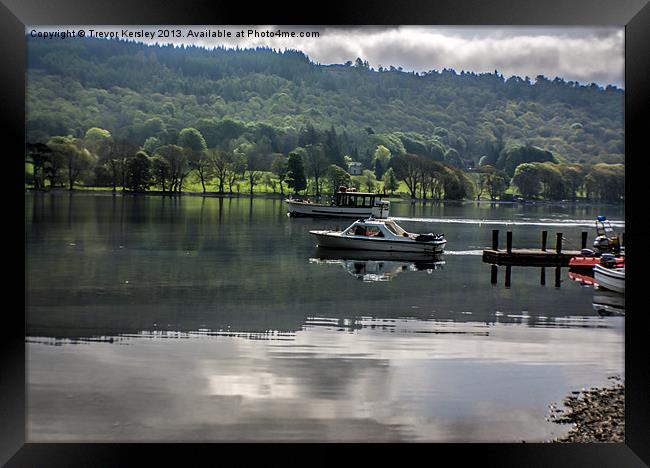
{"x":634,"y":15}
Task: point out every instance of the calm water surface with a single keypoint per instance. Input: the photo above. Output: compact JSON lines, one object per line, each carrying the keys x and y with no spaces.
{"x":152,"y":319}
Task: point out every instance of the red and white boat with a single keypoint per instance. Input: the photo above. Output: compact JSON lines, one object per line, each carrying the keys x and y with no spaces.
{"x":590,"y":262}
{"x":583,"y":277}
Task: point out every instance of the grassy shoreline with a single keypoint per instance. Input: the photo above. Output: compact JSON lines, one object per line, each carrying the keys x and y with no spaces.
{"x":398,"y":196}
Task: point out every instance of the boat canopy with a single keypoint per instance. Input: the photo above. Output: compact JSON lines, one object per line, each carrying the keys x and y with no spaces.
{"x":355,"y":199}
{"x":374,"y":226}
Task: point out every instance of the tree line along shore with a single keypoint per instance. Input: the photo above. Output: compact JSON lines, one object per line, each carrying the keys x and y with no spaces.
{"x":153,"y":117}
{"x":100,"y":161}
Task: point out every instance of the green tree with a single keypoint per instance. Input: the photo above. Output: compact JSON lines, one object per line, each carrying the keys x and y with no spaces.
{"x":408,"y":168}
{"x":191,"y":138}
{"x":153,"y":127}
{"x":317,"y":164}
{"x":514,"y":155}
{"x":40,"y":155}
{"x":452,"y":158}
{"x":160,"y":171}
{"x":493,"y":180}
{"x":527,"y":180}
{"x":77,"y":160}
{"x":194,"y":144}
{"x":151,"y":144}
{"x":369,"y":180}
{"x":296,"y":178}
{"x":553,"y":184}
{"x":574,"y":176}
{"x":222,"y":162}
{"x":606,"y":182}
{"x":381,"y":158}
{"x":97,"y":134}
{"x":139,"y":172}
{"x":177,"y":162}
{"x":269,"y":181}
{"x":337,"y":177}
{"x":280,"y":168}
{"x":390,"y":181}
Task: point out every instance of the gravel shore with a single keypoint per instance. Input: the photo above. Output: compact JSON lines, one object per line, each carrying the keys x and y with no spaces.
{"x":597,"y":414}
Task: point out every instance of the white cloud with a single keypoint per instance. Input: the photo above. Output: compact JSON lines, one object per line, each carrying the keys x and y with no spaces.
{"x":576,"y":53}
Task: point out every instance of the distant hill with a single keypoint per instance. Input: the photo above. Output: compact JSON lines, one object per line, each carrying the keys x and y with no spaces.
{"x":137,"y":91}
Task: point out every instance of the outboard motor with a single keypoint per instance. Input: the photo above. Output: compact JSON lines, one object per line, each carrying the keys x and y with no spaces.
{"x":381,"y":209}
{"x":607,"y":260}
{"x":430,"y":237}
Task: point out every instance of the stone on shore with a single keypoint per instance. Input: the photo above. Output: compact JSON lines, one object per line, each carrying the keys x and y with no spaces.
{"x":597,"y":415}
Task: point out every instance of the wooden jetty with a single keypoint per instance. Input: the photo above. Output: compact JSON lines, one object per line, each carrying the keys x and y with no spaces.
{"x":530,"y":257}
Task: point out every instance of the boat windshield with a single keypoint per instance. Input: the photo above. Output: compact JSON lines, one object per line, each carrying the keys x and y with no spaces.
{"x":361,"y":230}
{"x":394,"y":228}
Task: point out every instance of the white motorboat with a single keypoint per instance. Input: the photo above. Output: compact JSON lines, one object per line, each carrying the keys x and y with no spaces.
{"x":381,"y":235}
{"x":610,"y":278}
{"x":347,"y":203}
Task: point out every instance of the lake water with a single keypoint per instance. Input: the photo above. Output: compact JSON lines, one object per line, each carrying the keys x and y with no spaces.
{"x":208,"y":319}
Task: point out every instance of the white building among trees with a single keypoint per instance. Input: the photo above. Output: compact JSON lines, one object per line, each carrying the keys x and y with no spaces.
{"x":354,"y":168}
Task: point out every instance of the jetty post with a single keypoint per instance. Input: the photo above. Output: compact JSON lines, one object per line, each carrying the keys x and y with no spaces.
{"x":528,"y":256}
{"x":583,"y":244}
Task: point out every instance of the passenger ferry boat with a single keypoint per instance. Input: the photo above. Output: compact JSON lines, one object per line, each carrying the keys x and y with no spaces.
{"x":380,"y":234}
{"x":347,"y":203}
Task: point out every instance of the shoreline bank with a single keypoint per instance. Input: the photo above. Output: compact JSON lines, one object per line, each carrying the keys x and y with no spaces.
{"x":101,"y":191}
{"x":597,"y":414}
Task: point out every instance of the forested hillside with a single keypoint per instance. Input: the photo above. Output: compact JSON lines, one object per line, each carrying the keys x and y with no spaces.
{"x":276,"y":102}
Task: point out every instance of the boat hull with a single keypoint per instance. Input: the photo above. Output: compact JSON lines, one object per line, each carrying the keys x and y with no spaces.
{"x":328,"y":211}
{"x":606,"y":278}
{"x":590,"y":262}
{"x":334,"y":241}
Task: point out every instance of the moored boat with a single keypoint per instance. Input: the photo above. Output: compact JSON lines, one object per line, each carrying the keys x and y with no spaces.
{"x":380,"y":235}
{"x":610,"y":278}
{"x":583,"y":277}
{"x":347,"y":203}
{"x":590,"y":262}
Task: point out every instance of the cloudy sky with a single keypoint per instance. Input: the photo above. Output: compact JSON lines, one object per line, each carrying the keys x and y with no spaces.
{"x":585,"y":54}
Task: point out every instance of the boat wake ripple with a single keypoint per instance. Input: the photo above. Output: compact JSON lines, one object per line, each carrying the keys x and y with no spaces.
{"x":463,"y":252}
{"x":508,"y":222}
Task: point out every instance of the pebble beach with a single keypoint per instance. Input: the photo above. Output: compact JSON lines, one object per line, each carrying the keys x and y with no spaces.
{"x":597,"y":415}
